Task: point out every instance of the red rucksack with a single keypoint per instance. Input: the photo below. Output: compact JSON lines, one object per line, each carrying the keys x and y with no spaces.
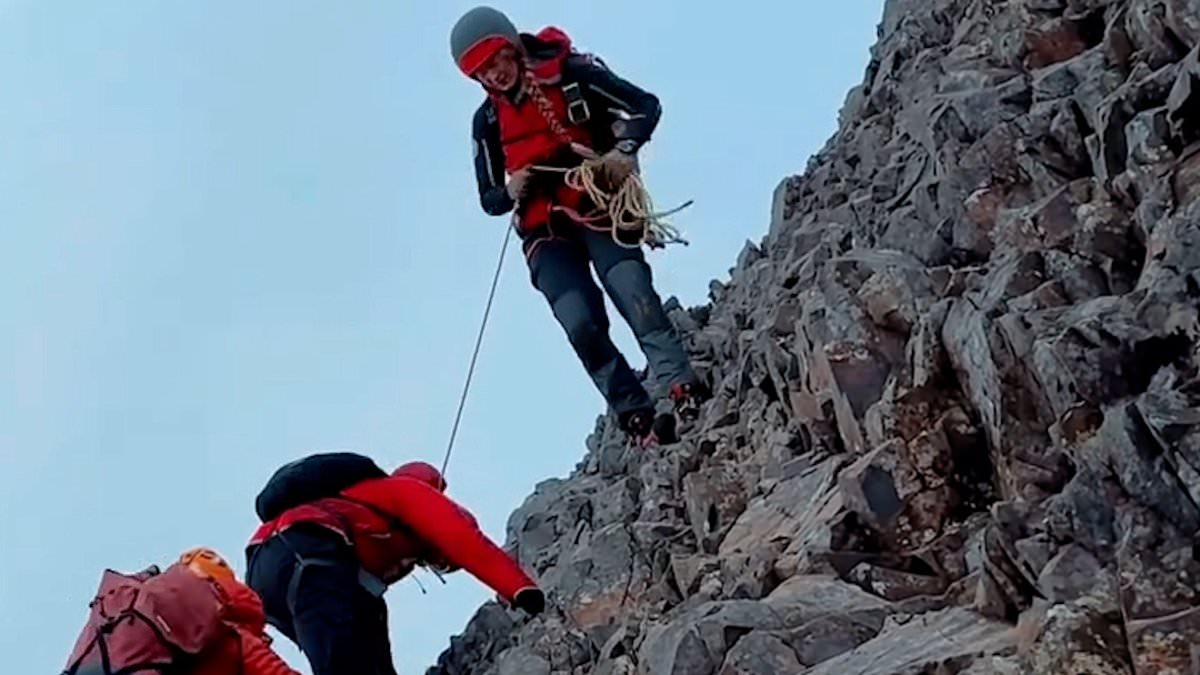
{"x":149,"y":622}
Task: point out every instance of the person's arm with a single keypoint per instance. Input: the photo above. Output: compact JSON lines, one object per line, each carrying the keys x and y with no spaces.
{"x":489,"y":161}
{"x":440,"y":524}
{"x":606,"y":91}
{"x":259,"y":659}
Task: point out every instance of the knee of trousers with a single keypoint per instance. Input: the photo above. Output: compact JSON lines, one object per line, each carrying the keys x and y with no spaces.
{"x":586,"y":328}
{"x":633,"y":287}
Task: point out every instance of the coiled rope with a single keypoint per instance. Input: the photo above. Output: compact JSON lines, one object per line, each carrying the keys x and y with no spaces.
{"x":627,"y":209}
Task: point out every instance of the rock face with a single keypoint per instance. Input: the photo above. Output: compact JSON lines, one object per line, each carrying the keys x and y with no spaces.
{"x":957,"y":416}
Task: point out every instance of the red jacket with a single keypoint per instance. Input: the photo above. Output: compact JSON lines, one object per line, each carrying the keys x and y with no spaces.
{"x":511,"y":132}
{"x":528,"y":136}
{"x":393,"y":523}
{"x":250,"y":653}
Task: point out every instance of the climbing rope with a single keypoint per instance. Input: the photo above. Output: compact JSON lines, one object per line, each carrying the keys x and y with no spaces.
{"x":628,"y":209}
{"x":487,"y":310}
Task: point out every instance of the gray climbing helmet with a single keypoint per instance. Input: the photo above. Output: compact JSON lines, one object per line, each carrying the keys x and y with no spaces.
{"x":475,"y":34}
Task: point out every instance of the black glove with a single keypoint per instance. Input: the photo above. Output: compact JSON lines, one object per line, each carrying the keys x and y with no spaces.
{"x":530,"y":599}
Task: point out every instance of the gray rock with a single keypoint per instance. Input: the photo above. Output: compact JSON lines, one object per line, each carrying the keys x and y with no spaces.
{"x":1071,"y":574}
{"x":696,"y":642}
{"x":1183,"y":103}
{"x":602,"y":576}
{"x":958,"y":379}
{"x":1078,"y":637}
{"x":521,"y":661}
{"x":917,"y":644}
{"x":760,"y":653}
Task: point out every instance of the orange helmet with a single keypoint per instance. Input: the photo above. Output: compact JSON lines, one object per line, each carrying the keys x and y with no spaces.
{"x":208,"y":563}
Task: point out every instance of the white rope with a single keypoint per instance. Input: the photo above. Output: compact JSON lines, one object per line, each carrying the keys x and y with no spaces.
{"x":628,"y":209}
{"x":475,"y":354}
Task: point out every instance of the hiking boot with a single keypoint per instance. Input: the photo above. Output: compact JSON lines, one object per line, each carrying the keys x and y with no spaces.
{"x":647,"y":429}
{"x":688,"y":397}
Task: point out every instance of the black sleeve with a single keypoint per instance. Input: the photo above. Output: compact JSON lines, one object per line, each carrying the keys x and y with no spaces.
{"x":489,"y":161}
{"x":606,"y":91}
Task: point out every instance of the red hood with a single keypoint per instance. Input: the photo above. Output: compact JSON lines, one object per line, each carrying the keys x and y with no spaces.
{"x":421,"y":471}
{"x":545,"y":52}
{"x":429,"y":475}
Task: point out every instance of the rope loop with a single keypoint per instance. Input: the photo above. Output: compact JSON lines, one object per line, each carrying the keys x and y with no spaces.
{"x":628,"y":209}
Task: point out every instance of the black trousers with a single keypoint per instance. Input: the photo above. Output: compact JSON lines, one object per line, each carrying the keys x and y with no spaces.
{"x":308,"y":579}
{"x":562,"y":258}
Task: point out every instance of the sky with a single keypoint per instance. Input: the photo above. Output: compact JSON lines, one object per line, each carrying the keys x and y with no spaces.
{"x":234,"y":233}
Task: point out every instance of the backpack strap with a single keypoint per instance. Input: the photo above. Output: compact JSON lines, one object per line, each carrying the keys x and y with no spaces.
{"x":577,"y":107}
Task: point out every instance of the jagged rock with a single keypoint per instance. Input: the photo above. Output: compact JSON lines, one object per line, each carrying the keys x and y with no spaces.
{"x":878,"y":485}
{"x":824,"y":617}
{"x":1052,"y":41}
{"x":799,"y":512}
{"x":1183,"y":19}
{"x":696,"y":643}
{"x":761,"y":654}
{"x":896,"y":585}
{"x":918,"y":644}
{"x":1046,"y":224}
{"x":602,"y":575}
{"x":955,"y":422}
{"x":1071,"y":574}
{"x":1183,"y":103}
{"x":1064,"y":79}
{"x":1079,"y":637}
{"x":1160,"y":592}
{"x":689,"y":569}
{"x":1148,"y":34}
{"x":521,"y":661}
{"x":751,"y":575}
{"x":1148,"y":137}
{"x":715,"y":498}
{"x":994,"y":665}
{"x":617,"y":503}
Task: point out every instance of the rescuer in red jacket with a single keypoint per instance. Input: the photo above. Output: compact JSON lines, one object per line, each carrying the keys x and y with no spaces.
{"x":544,"y":101}
{"x":321,"y":568}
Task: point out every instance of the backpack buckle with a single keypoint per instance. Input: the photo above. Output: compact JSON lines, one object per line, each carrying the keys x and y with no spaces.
{"x":577,"y":107}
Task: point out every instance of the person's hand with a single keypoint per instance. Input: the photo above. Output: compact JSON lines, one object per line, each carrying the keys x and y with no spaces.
{"x":617,"y":165}
{"x":517,"y":184}
{"x":584,"y":151}
{"x":531,"y":600}
{"x":440,"y":566}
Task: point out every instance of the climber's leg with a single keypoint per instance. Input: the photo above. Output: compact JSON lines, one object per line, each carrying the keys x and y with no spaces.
{"x":559,"y":269}
{"x":627,"y":279}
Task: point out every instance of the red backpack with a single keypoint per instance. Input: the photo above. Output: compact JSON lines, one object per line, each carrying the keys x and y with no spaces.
{"x":148,"y":622}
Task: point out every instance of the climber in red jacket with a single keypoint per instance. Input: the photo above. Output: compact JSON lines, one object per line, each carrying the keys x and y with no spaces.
{"x":322,"y":567}
{"x":196,"y":618}
{"x":241,"y":609}
{"x":547,"y":105}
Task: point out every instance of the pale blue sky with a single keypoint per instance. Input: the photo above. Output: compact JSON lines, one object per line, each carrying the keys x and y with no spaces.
{"x":234,"y":232}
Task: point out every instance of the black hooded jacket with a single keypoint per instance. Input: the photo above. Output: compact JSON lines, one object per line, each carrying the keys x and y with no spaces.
{"x":607,"y":96}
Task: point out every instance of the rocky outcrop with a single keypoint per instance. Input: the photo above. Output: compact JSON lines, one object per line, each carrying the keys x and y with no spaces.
{"x":957,"y":416}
